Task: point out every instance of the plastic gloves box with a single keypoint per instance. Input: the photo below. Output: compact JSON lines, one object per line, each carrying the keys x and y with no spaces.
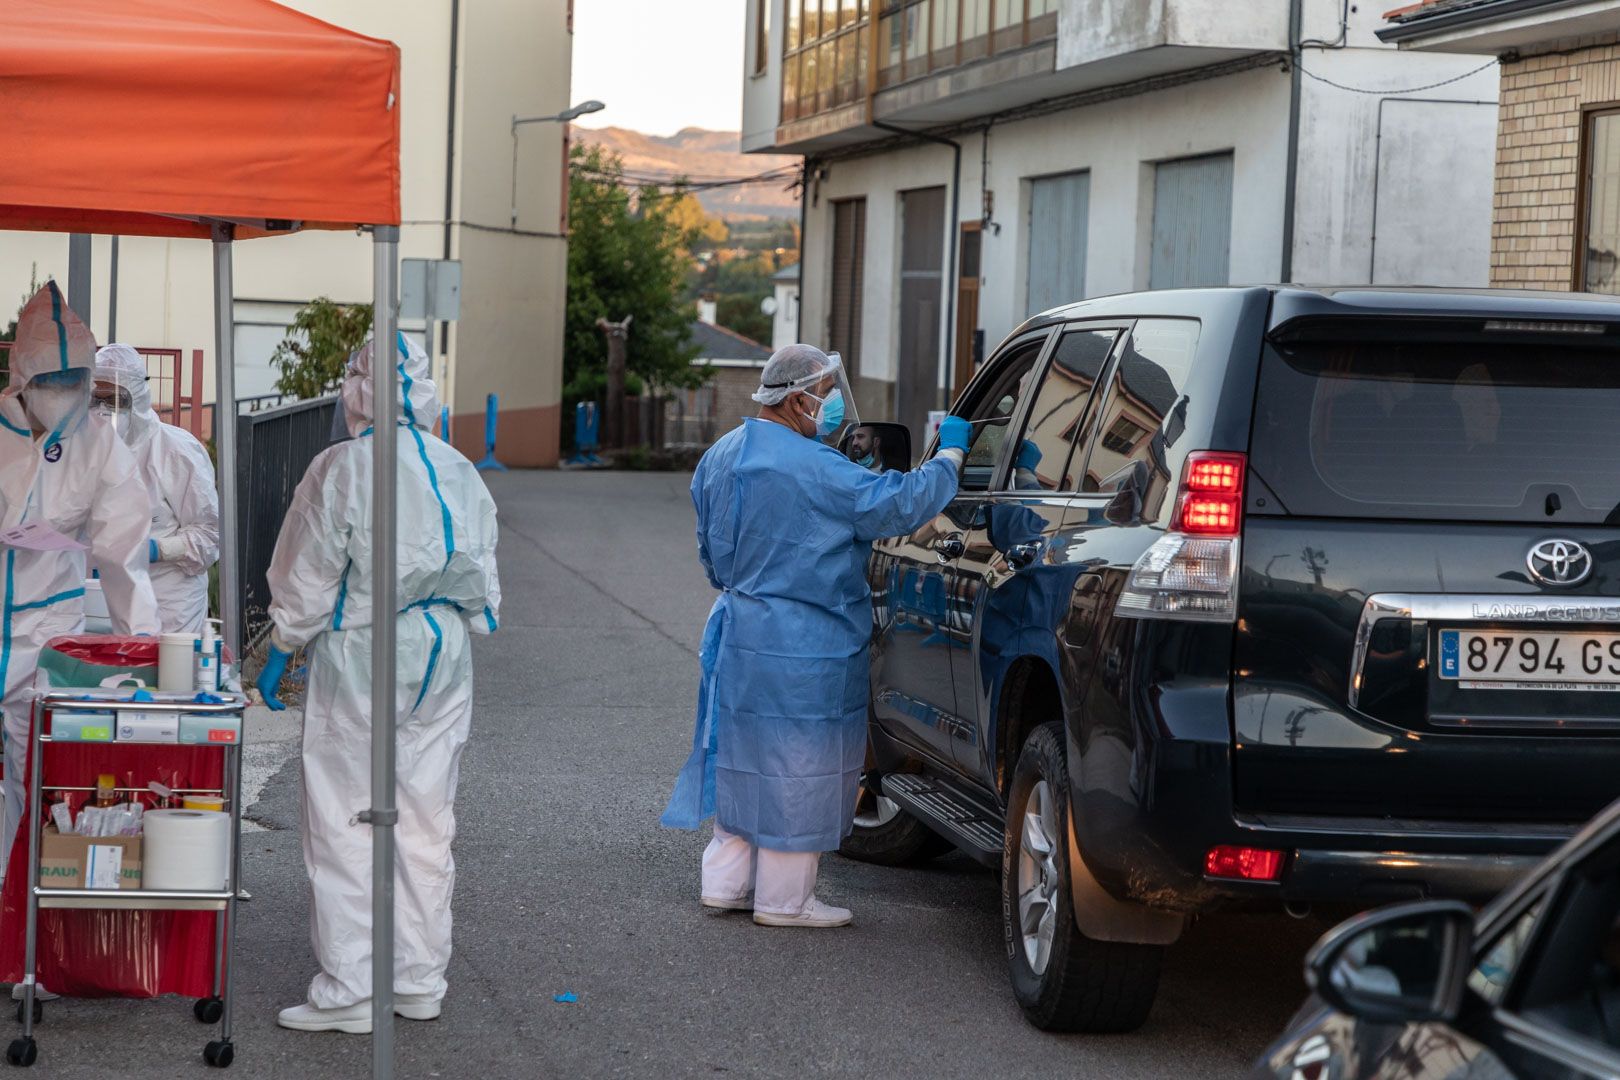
{"x":89,"y":862}
{"x":157,"y":727}
{"x":210,"y":730}
{"x":81,"y":726}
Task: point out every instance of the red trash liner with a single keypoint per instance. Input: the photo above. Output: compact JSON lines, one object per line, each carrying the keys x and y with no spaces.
{"x":138,"y":954}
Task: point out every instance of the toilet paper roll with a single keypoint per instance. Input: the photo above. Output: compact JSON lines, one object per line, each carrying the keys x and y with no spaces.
{"x":186,"y":849}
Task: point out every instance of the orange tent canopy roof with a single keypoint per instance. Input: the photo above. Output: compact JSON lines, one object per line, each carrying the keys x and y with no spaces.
{"x":145,"y":117}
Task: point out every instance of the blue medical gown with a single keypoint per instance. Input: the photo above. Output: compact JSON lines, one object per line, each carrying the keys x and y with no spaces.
{"x":784,"y":528}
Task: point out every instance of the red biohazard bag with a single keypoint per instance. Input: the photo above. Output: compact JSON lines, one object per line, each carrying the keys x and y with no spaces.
{"x":110,"y":953}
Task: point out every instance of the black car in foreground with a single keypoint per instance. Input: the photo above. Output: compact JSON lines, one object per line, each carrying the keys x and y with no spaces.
{"x":1268,"y":595}
{"x":1528,"y":988}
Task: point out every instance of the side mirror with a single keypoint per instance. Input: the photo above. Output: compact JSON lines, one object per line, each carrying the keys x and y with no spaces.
{"x":889,"y":446}
{"x":1398,"y":965}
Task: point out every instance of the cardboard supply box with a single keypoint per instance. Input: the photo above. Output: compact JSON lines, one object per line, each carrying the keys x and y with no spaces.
{"x":105,"y":862}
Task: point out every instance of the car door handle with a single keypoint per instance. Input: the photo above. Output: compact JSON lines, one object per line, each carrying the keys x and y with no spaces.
{"x":949,"y":548}
{"x":1021,"y":555}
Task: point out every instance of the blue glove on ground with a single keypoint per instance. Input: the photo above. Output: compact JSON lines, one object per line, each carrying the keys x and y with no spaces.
{"x":1029,"y":455}
{"x":955,"y":433}
{"x":269,"y":680}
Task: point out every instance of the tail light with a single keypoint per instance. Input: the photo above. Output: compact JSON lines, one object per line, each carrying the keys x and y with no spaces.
{"x":1191,"y":571}
{"x":1243,"y":863}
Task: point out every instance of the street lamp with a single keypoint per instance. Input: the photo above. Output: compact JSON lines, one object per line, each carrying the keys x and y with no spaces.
{"x":567,"y":115}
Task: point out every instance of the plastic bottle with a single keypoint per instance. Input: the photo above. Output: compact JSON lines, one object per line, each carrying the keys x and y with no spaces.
{"x":206,"y":662}
{"x":106,"y":790}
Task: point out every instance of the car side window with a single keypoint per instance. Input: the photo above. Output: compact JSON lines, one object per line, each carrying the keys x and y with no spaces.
{"x":1043,"y":457}
{"x":1490,"y":977}
{"x":1567,"y":977}
{"x":1144,"y":413}
{"x":991,"y":412}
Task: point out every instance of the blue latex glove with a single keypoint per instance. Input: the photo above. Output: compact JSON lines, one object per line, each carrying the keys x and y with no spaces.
{"x":152,"y":554}
{"x":269,"y":680}
{"x":955,"y":433}
{"x":1029,"y":455}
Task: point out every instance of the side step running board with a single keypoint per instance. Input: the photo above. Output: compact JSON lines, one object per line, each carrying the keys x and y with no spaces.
{"x":948,"y":813}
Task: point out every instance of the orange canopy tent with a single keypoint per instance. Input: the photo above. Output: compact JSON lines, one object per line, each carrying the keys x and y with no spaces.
{"x":146,"y":116}
{"x":221,"y":120}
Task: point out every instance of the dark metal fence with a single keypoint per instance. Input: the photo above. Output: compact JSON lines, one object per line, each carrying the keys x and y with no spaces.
{"x":273,"y":446}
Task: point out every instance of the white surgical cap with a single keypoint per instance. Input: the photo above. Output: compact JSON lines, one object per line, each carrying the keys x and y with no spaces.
{"x":793,"y":368}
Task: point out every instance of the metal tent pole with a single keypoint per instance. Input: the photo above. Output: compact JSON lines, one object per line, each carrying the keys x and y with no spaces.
{"x":230,"y":569}
{"x":383,"y":814}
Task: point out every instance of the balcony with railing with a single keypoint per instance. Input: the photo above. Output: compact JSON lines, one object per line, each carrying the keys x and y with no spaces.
{"x":848,"y":63}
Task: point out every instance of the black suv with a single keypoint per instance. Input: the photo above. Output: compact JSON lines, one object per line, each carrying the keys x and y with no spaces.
{"x":1255,"y":594}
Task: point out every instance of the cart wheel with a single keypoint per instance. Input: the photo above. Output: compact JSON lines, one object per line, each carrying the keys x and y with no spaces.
{"x":219,"y":1053}
{"x":208,"y":1010}
{"x":22,"y":1052}
{"x":39,"y":1011}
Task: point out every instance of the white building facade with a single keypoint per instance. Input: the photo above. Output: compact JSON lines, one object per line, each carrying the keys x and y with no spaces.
{"x":467,"y":69}
{"x":1101,"y":146}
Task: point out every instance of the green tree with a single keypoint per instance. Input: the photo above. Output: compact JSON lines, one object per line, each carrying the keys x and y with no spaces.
{"x":627,"y":255}
{"x":9,"y":332}
{"x":311,"y":357}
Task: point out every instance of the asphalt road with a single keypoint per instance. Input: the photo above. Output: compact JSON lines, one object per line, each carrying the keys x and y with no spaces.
{"x":567,"y":884}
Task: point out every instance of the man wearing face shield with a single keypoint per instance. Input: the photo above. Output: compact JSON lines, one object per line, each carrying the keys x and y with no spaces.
{"x":179,"y":477}
{"x":63,"y":471}
{"x":784,"y":527}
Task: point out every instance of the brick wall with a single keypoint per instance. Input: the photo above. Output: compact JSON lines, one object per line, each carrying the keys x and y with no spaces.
{"x":1538,"y":149}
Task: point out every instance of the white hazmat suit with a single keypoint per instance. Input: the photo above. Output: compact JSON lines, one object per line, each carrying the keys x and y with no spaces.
{"x":180,"y":484}
{"x":320,"y":588}
{"x":62,"y":470}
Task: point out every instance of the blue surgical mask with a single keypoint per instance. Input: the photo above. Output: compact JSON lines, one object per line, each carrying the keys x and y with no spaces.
{"x":867,"y":462}
{"x":832,"y":414}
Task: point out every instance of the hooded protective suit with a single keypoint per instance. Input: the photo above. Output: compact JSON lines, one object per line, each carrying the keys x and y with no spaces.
{"x":78,"y":478}
{"x":320,"y":589}
{"x":785,"y":525}
{"x":180,"y":483}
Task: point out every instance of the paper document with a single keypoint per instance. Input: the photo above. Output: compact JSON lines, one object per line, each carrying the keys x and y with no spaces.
{"x":38,"y":536}
{"x":103,"y":865}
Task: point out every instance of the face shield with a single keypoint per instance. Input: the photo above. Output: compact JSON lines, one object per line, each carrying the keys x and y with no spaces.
{"x":829,"y":392}
{"x":111,"y":403}
{"x":52,"y":397}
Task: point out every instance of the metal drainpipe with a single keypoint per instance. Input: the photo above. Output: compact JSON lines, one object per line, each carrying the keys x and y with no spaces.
{"x":804,"y":221}
{"x":1295,"y":16}
{"x":450,"y":157}
{"x":954,"y":270}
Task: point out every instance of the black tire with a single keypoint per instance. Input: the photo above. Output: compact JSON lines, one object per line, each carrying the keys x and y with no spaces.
{"x":219,"y":1054}
{"x":897,"y":841}
{"x":39,"y":1011}
{"x":208,"y":1010}
{"x":1086,"y":985}
{"x":22,"y":1052}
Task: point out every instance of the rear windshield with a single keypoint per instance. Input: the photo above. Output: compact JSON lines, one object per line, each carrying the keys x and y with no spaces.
{"x":1464,"y":430}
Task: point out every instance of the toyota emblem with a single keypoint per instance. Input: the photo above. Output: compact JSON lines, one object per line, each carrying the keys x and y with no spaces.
{"x":1559,"y":562}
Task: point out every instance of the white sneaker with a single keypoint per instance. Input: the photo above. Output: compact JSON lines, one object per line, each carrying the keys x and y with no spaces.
{"x":351,"y":1020}
{"x":815,"y":914}
{"x":417,"y":1006}
{"x":40,"y":993}
{"x":737,"y":903}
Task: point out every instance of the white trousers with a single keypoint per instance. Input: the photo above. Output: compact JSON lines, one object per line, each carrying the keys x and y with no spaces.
{"x":783,"y":882}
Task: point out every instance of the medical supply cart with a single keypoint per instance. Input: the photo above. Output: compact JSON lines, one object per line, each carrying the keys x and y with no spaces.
{"x":223,"y":706}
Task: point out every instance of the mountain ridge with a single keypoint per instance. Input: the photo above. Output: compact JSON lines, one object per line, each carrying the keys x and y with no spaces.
{"x":702,"y":154}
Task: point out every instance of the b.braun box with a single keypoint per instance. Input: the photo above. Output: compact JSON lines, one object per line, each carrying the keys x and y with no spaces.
{"x":210,"y":730}
{"x":156,"y":727}
{"x":70,"y":726}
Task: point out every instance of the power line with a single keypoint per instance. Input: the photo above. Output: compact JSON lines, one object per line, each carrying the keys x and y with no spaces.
{"x":1382,"y":92}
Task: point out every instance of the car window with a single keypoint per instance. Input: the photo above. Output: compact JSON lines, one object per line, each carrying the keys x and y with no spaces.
{"x":992,"y":410}
{"x":1490,"y":978}
{"x":1059,"y":410}
{"x":1472,"y":428}
{"x":1145,"y":412}
{"x":1568,"y":971}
